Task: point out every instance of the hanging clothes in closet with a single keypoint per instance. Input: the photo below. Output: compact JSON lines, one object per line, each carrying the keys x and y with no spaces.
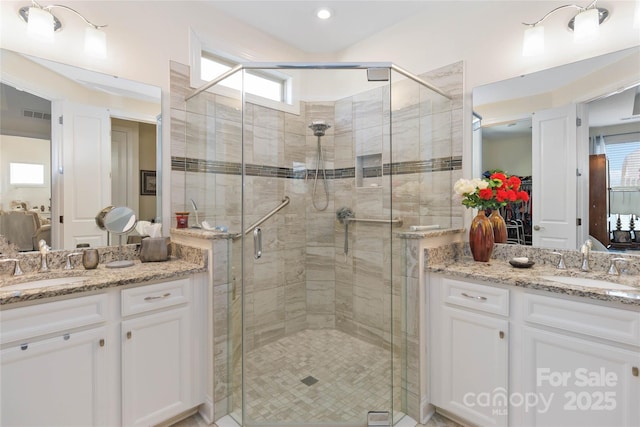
{"x":521,"y":213}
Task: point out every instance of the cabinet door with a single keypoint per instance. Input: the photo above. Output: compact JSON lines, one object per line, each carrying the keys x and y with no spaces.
{"x":156,"y":356}
{"x":60,"y":381}
{"x":474,"y":361}
{"x":585,"y":383}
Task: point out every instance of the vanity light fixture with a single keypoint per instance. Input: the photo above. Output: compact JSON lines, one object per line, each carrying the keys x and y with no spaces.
{"x":585,"y":26}
{"x":42,"y":23}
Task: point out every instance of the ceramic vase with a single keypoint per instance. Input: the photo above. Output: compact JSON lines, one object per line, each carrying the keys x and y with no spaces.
{"x":481,"y":237}
{"x":499,"y":227}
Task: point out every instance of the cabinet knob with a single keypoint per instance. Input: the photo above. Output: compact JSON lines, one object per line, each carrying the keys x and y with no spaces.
{"x":102,"y":342}
{"x":23,"y":347}
{"x":634,"y":371}
{"x":66,"y":337}
{"x":129,"y":335}
{"x":501,"y":335}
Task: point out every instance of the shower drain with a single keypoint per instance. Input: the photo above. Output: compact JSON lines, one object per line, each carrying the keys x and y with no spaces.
{"x":309,"y":381}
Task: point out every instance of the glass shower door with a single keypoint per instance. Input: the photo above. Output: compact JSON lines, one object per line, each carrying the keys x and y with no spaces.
{"x":316,"y":308}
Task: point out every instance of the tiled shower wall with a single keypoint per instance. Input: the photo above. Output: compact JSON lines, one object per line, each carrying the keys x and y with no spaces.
{"x":304,"y":280}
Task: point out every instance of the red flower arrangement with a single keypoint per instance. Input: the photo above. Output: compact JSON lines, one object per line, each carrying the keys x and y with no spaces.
{"x":493,"y":192}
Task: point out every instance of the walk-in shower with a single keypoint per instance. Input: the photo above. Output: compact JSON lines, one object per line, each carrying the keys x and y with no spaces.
{"x":321,"y":328}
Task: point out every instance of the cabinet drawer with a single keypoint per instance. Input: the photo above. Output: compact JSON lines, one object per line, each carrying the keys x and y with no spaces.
{"x":152,"y":297}
{"x":478,"y":297}
{"x":24,"y":323}
{"x":590,"y":319}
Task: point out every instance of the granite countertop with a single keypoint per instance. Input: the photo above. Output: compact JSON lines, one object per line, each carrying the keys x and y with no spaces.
{"x":201,"y":233}
{"x":499,"y":271}
{"x":100,"y":278}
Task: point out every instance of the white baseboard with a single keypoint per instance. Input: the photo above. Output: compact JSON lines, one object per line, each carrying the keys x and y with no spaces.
{"x":206,"y":411}
{"x":426,"y":411}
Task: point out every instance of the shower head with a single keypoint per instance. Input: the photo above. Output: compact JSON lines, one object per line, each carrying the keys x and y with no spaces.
{"x":319,"y":127}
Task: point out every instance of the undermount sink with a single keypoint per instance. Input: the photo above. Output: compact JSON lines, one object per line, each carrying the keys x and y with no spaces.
{"x":35,"y":284}
{"x":589,"y":283}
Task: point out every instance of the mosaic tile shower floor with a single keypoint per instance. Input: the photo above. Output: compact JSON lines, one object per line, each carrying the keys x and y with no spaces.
{"x":353,"y":378}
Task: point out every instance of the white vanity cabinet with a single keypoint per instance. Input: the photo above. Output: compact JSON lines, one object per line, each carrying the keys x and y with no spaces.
{"x":126,"y":357}
{"x":54,"y":364}
{"x":583,"y":359}
{"x":469,"y":332}
{"x":568,"y":361}
{"x":156,"y":352}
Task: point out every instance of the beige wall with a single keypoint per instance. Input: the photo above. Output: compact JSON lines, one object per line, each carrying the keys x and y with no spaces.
{"x":147,"y":158}
{"x":511,"y":155}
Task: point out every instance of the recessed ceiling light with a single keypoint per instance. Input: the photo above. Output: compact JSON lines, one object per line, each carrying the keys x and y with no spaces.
{"x":324,"y":13}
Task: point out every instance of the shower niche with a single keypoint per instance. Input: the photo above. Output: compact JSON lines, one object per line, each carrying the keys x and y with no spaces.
{"x":369,"y":171}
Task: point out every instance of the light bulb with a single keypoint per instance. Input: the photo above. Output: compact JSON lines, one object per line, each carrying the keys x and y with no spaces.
{"x":533,"y":43}
{"x":95,"y":43}
{"x":586,"y":26}
{"x":40,"y":24}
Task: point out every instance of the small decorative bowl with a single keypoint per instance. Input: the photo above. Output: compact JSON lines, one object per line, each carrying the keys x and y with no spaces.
{"x":520,"y":264}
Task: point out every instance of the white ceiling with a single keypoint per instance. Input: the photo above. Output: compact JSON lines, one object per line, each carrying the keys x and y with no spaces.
{"x":295,"y":22}
{"x":614,"y":109}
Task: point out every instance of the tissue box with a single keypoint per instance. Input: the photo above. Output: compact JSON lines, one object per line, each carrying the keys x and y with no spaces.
{"x":154,"y":249}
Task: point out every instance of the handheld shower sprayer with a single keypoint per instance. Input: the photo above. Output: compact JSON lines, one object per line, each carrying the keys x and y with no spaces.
{"x":319,"y":127}
{"x":343,"y":215}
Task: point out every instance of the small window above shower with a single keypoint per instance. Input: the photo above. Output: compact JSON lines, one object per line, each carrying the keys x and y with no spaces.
{"x":269,"y":85}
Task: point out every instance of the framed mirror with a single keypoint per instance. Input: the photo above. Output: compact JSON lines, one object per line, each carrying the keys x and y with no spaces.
{"x":558,"y":113}
{"x":91,"y":134}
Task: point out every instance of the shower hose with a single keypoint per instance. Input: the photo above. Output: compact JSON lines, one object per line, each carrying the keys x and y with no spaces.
{"x":324,"y":180}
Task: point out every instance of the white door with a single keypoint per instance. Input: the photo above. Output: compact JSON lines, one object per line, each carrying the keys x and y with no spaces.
{"x":86,"y":169}
{"x":124,"y":165}
{"x":554,"y":189}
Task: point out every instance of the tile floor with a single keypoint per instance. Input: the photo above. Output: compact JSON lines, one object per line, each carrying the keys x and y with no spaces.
{"x":436,"y":420}
{"x":352,"y":376}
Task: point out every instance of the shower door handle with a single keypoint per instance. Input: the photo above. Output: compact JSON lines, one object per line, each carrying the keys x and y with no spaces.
{"x":257,"y":243}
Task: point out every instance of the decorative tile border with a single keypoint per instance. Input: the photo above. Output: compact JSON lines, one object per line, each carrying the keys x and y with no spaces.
{"x":233,"y":168}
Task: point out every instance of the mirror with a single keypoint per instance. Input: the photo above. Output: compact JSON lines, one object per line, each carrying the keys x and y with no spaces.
{"x":119,"y":221}
{"x":35,"y":93}
{"x":604,"y":90}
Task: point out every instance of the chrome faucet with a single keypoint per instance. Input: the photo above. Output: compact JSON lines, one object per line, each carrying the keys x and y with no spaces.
{"x":68,"y":265}
{"x":561,"y":265}
{"x":17,"y":271}
{"x":44,"y":250}
{"x":586,"y":251}
{"x":613,"y":267}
